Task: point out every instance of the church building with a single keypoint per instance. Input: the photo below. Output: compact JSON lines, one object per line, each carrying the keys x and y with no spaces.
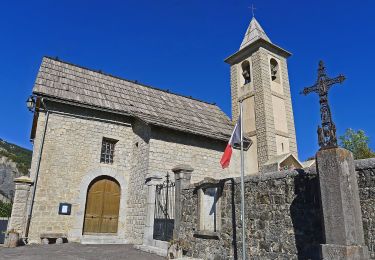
{"x":99,"y":139}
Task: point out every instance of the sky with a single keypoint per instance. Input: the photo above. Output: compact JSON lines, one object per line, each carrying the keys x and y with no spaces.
{"x":181,"y":46}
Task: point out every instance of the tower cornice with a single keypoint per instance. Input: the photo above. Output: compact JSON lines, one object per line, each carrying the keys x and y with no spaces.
{"x":253,"y":47}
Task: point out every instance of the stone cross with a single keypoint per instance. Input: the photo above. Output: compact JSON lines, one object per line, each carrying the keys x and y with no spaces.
{"x":327,"y":132}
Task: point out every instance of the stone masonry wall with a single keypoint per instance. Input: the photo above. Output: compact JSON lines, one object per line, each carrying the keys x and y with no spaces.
{"x":136,"y":214}
{"x":366,"y":184}
{"x":283,"y":216}
{"x":71,"y":150}
{"x":289,"y":108}
{"x":169,"y":148}
{"x":234,"y":91}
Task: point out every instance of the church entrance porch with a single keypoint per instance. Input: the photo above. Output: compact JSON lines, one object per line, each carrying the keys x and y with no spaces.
{"x":102,"y":206}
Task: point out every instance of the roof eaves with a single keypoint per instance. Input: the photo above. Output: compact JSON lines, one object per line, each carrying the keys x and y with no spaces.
{"x":147,"y":119}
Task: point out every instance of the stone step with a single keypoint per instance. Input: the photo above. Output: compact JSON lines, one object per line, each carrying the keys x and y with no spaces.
{"x":151,"y":249}
{"x":102,"y":240}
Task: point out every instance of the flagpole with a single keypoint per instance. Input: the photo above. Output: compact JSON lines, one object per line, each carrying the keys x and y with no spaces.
{"x":242,"y":187}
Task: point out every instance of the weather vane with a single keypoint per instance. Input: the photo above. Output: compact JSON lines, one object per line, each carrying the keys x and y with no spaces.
{"x":327,"y":132}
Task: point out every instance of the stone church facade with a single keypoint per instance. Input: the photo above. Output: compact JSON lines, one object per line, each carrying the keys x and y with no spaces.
{"x":71,"y":158}
{"x":102,"y":138}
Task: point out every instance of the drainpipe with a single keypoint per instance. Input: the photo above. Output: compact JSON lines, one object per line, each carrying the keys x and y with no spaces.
{"x":37,"y":168}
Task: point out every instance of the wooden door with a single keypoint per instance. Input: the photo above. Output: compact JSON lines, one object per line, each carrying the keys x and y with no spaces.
{"x":102,"y":207}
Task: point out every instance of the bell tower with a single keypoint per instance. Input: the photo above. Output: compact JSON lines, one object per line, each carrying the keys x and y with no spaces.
{"x":259,"y":78}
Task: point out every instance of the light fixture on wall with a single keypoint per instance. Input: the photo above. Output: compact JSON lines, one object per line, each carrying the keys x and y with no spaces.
{"x":30,"y":103}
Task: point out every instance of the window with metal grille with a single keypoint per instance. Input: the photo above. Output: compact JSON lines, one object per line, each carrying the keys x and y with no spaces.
{"x":108,"y":149}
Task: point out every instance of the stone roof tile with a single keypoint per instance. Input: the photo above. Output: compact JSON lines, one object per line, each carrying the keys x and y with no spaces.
{"x":253,"y":33}
{"x":65,"y":81}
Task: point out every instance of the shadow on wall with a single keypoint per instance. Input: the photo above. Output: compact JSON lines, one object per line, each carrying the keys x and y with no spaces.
{"x":234,"y":224}
{"x":307,"y":217}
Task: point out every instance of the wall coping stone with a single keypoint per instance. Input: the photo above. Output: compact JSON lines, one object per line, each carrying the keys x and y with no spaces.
{"x":182,"y":167}
{"x":206,"y":234}
{"x":363,"y":164}
{"x":310,"y":171}
{"x":23,"y":179}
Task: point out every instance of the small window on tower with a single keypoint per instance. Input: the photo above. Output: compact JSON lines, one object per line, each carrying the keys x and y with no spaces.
{"x":108,"y":149}
{"x":246,"y":71}
{"x":275,"y":72}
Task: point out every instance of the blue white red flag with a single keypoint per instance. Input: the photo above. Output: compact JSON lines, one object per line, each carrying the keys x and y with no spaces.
{"x":234,"y":139}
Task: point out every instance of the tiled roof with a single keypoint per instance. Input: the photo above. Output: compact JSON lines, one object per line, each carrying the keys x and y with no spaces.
{"x":65,"y":81}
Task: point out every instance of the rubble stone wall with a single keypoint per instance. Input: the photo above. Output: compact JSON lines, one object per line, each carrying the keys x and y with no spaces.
{"x":366,"y":184}
{"x":282,"y":213}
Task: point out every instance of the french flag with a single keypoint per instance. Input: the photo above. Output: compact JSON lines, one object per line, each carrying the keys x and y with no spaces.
{"x":235,"y":139}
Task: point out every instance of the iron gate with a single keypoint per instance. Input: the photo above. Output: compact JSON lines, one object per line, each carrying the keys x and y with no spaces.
{"x":164,"y":210}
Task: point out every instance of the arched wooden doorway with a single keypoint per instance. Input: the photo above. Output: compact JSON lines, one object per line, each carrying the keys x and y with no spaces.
{"x":102,"y":206}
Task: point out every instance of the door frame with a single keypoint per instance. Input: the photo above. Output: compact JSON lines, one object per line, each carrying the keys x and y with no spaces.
{"x":79,"y":207}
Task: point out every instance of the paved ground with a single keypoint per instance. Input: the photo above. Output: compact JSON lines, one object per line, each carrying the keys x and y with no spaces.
{"x":74,"y":251}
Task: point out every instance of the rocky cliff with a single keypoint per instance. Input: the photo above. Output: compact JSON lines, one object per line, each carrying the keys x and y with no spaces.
{"x":14,"y":162}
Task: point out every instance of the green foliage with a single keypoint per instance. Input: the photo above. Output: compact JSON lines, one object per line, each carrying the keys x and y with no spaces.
{"x":5,"y":209}
{"x":358,"y":143}
{"x":19,"y":155}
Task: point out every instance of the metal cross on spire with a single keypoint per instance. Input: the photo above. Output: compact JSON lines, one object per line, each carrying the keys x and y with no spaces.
{"x":252,"y":9}
{"x":327,"y":132}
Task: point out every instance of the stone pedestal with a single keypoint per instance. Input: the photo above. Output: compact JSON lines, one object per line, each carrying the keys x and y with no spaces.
{"x":18,"y":220}
{"x":343,"y":227}
{"x":182,"y":176}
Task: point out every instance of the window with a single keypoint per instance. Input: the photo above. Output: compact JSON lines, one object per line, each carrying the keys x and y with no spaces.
{"x":275,"y":72}
{"x":246,"y":71}
{"x":108,"y":149}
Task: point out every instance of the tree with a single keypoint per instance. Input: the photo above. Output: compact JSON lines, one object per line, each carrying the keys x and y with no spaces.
{"x":357,"y":142}
{"x":5,"y":209}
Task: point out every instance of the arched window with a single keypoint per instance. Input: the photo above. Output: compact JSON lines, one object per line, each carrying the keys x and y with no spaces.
{"x":275,"y":71}
{"x":246,"y":71}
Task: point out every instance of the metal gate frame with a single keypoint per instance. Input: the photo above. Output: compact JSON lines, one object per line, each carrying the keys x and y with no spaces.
{"x":164,"y":210}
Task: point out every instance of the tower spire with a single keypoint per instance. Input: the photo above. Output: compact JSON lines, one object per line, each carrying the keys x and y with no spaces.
{"x":253,"y":33}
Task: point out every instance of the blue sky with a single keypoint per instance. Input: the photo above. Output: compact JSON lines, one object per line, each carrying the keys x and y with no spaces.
{"x":180,"y":45}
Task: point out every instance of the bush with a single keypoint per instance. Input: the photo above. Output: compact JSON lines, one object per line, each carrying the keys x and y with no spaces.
{"x":5,"y":209}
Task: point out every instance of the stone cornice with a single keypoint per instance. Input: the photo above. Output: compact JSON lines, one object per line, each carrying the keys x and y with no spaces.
{"x":248,"y":50}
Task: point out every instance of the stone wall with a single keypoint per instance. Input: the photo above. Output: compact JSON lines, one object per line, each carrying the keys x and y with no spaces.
{"x":71,"y":160}
{"x":135,"y":219}
{"x":366,"y":184}
{"x":71,"y":152}
{"x":169,"y":148}
{"x":283,"y":216}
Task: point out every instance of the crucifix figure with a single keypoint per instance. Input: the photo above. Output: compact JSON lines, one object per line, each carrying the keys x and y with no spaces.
{"x":327,"y":132}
